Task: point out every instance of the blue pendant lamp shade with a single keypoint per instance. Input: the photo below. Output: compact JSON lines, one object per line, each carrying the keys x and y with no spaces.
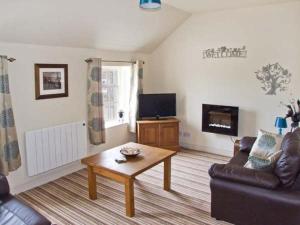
{"x":150,"y":4}
{"x":280,"y":123}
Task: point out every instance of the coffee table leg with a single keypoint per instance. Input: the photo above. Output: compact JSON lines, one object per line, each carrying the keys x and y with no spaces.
{"x":129,"y":197}
{"x":92,"y":183}
{"x":167,"y":174}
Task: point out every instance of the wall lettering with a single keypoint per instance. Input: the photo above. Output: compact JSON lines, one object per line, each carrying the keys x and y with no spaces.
{"x":224,"y":52}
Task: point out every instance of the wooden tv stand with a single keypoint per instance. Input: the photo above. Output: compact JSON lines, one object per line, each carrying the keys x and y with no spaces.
{"x":163,"y":133}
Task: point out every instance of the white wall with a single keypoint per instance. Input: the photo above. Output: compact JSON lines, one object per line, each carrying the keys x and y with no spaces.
{"x":33,"y":114}
{"x":271,"y":34}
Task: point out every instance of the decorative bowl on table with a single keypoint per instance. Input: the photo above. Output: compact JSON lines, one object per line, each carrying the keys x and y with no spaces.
{"x":130,"y":152}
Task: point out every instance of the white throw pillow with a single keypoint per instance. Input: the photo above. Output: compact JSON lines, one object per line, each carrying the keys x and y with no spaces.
{"x":265,"y":151}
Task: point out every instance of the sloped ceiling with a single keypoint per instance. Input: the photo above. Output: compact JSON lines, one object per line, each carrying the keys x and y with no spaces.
{"x":193,"y":6}
{"x":104,"y":24}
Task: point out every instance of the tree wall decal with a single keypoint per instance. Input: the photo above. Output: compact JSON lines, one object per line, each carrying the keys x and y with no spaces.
{"x":274,"y":77}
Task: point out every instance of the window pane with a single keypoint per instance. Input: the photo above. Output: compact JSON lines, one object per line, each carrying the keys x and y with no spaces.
{"x":115,"y":82}
{"x":110,"y":93}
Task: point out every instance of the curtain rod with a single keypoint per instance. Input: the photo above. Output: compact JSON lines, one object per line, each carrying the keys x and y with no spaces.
{"x":114,"y":61}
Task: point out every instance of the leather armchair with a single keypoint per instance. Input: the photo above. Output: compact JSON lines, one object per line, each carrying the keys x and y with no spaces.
{"x":13,"y":211}
{"x":4,"y":187}
{"x":243,"y":175}
{"x":244,"y":196}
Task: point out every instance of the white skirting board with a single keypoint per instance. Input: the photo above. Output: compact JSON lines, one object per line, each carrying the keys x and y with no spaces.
{"x":52,"y":147}
{"x":223,"y":152}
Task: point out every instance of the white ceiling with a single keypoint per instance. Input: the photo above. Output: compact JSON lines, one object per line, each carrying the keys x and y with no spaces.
{"x":104,"y":24}
{"x":214,"y":5}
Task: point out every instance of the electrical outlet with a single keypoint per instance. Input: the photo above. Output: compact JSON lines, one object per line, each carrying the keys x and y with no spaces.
{"x":187,"y":134}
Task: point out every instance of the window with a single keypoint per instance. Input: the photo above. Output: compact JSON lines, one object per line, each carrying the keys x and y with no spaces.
{"x":116,"y":93}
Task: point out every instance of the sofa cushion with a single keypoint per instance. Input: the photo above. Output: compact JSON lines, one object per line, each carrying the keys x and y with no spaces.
{"x":263,"y":164}
{"x":243,"y":175}
{"x":288,"y":165}
{"x":265,"y":151}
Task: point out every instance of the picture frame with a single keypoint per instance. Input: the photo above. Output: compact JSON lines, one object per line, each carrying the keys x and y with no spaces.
{"x":51,"y":81}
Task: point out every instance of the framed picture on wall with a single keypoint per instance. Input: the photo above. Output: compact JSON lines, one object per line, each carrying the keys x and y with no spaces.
{"x":51,"y":81}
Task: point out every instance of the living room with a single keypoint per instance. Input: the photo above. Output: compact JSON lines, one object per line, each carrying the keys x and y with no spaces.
{"x":191,"y":55}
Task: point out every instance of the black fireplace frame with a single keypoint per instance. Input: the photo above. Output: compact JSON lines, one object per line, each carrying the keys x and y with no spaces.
{"x":233,"y":110}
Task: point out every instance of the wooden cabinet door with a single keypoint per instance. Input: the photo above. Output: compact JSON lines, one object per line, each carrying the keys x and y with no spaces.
{"x":169,"y":134}
{"x":148,"y":134}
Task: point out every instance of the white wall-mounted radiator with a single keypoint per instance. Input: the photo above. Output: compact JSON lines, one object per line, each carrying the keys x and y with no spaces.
{"x":53,"y":147}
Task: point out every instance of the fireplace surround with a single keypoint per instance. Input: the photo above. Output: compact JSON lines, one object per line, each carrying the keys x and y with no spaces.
{"x":220,"y":119}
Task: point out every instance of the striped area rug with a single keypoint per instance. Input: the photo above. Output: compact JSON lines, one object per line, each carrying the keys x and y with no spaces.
{"x":65,"y":201}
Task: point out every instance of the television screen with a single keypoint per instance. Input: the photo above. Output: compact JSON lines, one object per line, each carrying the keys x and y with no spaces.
{"x":157,"y":105}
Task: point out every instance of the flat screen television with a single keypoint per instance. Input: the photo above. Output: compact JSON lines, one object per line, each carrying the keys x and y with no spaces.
{"x":157,"y":105}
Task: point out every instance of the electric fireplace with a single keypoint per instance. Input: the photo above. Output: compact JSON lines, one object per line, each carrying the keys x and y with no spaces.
{"x":220,"y":119}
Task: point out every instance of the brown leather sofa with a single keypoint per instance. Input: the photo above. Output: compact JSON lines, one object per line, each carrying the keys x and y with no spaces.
{"x":14,"y":212}
{"x":250,"y":197}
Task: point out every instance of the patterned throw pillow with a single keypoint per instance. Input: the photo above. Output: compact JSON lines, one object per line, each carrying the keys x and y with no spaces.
{"x":265,"y":151}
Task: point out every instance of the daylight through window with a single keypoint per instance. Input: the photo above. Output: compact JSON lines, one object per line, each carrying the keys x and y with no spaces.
{"x":116,"y":92}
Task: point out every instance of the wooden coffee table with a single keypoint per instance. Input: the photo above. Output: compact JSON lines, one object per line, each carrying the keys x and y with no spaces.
{"x":104,"y":164}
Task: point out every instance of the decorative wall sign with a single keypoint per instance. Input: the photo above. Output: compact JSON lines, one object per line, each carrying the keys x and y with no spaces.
{"x":274,"y":78}
{"x":224,"y":52}
{"x":51,"y":81}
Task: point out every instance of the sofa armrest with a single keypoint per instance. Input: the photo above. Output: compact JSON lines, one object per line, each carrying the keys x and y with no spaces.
{"x":243,"y":175}
{"x":4,"y":187}
{"x":237,"y":146}
{"x":246,"y":144}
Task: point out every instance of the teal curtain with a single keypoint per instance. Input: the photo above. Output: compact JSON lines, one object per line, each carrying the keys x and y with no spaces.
{"x":95,"y":103}
{"x":10,"y":159}
{"x":136,"y":87}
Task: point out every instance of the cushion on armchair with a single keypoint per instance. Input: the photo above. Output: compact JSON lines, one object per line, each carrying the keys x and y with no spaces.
{"x":265,"y":151}
{"x":288,"y":165}
{"x":4,"y":187}
{"x":243,"y":175}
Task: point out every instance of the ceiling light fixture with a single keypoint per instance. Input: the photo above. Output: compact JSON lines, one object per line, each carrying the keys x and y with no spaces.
{"x":150,"y":4}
